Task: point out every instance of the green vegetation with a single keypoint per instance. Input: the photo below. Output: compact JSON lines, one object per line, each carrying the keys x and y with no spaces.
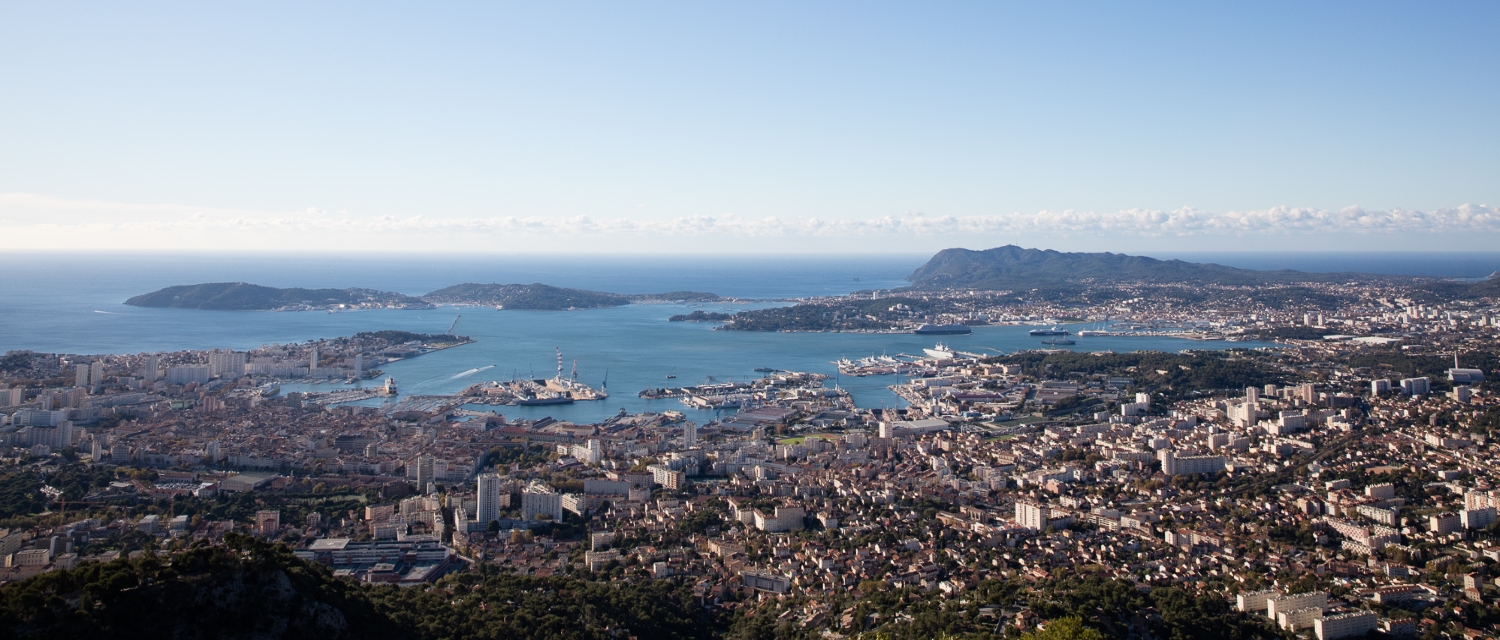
{"x":846,"y":314}
{"x":1069,"y":628}
{"x":700,"y":316}
{"x":1170,"y":374}
{"x":401,"y":337}
{"x":240,"y":296}
{"x":21,"y":492}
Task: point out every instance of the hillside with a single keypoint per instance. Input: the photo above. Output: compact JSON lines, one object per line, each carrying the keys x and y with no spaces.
{"x":253,"y":589}
{"x":1012,"y":267}
{"x":536,"y":297}
{"x":241,"y":296}
{"x":1454,"y":290}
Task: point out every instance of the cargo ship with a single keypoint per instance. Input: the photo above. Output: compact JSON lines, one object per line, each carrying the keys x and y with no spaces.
{"x":1054,"y":331}
{"x":943,"y":329}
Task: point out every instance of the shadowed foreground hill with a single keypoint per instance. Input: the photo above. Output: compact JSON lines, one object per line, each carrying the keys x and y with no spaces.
{"x":253,"y":589}
{"x":1012,"y":267}
{"x":241,"y":296}
{"x":259,"y":590}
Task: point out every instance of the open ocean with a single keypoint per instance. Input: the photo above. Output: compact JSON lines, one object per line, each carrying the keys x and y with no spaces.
{"x":72,"y":303}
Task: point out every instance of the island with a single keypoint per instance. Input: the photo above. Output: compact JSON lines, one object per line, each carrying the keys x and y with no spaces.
{"x":241,"y":296}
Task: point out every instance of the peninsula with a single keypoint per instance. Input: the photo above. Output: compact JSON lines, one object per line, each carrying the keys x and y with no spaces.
{"x":241,"y":296}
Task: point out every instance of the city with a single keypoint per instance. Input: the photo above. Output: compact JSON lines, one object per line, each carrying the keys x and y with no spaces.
{"x":1337,"y":485}
{"x":677,"y":320}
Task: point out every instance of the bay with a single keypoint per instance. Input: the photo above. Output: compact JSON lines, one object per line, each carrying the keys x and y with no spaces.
{"x":67,"y":303}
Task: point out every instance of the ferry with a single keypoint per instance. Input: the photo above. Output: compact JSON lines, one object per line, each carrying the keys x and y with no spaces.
{"x":1054,"y":331}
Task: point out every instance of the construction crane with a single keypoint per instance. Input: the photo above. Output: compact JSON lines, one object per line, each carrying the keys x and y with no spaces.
{"x":455,"y":324}
{"x":559,"y":362}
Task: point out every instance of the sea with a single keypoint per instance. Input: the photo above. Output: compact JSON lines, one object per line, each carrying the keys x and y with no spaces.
{"x":73,"y":303}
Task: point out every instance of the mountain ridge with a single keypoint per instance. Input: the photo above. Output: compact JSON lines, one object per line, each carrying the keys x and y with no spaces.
{"x":1014,"y":267}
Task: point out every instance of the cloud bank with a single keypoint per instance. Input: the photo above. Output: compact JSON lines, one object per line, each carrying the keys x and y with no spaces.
{"x":53,"y":221}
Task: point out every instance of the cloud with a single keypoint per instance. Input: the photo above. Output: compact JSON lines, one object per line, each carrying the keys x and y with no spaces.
{"x":36,"y":216}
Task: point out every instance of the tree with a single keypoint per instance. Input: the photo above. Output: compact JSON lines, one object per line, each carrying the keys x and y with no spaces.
{"x":1069,"y":628}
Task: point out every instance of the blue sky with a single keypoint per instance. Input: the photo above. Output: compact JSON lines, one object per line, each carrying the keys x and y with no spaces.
{"x":750,"y":126}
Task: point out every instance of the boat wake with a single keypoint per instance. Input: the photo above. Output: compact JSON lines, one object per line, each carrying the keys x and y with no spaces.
{"x":472,"y":372}
{"x":113,"y":313}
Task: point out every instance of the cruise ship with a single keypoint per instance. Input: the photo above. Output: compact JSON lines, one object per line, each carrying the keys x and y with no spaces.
{"x":1054,"y":331}
{"x":943,"y":329}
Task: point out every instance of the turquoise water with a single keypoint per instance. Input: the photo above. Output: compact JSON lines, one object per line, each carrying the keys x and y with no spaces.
{"x":72,"y":304}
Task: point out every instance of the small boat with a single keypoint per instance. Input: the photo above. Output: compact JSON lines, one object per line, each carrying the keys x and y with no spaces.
{"x":671,"y":377}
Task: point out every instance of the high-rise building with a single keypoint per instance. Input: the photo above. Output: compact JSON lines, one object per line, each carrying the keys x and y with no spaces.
{"x":1379,"y":387}
{"x":1252,"y":394}
{"x":689,"y":435}
{"x":489,"y":498}
{"x":12,"y":396}
{"x":1415,"y":386}
{"x":1173,"y":465}
{"x":312,"y":362}
{"x":226,"y":364}
{"x":80,"y":375}
{"x":425,"y":472}
{"x":149,"y":369}
{"x":186,"y":374}
{"x":96,"y":373}
{"x":538,"y":499}
{"x":1031,"y":515}
{"x":359,"y":363}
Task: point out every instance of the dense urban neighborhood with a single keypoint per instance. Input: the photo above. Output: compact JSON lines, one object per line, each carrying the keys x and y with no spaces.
{"x":1338,"y":485}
